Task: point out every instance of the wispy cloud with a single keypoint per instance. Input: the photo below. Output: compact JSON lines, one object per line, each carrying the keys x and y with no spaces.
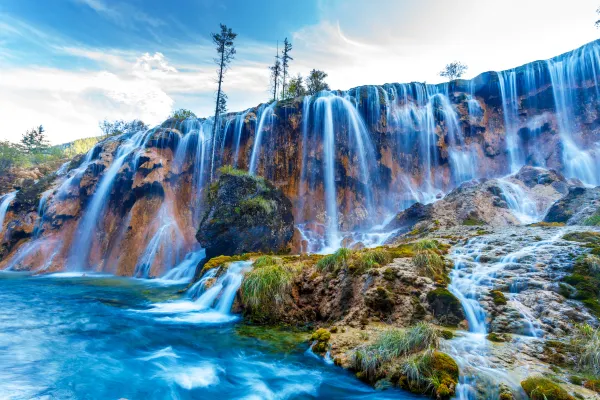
{"x":122,"y":14}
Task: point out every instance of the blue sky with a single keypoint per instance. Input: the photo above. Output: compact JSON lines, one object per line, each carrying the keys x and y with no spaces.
{"x":69,"y":63}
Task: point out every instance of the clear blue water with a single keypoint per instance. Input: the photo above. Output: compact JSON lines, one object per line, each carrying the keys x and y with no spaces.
{"x":92,"y":338}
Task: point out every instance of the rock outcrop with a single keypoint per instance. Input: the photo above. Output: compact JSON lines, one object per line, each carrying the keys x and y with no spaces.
{"x":245,"y":214}
{"x":517,"y":199}
{"x":581,"y":206}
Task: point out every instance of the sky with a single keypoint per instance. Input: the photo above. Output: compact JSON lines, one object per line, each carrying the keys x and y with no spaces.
{"x":68,"y":64}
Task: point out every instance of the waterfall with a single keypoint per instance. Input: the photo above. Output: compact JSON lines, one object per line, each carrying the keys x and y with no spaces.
{"x":519,"y":202}
{"x":568,"y":72}
{"x":213,"y":304}
{"x":5,"y":202}
{"x":265,"y":116}
{"x":324,"y":113}
{"x":239,"y":126}
{"x":80,"y":250}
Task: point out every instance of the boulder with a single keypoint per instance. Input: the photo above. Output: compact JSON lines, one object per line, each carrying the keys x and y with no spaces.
{"x":579,"y":206}
{"x":245,"y":214}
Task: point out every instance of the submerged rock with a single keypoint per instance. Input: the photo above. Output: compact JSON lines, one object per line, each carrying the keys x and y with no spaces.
{"x":245,"y":214}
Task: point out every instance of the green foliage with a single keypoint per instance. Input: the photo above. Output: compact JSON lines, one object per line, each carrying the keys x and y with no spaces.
{"x":334,"y":262}
{"x":119,"y":127}
{"x":430,"y":264}
{"x":266,"y":289}
{"x":182,"y":114}
{"x":587,"y":345}
{"x":392,"y":344}
{"x":265,"y":261}
{"x":368,"y":259}
{"x":594,"y":220}
{"x":230,"y":170}
{"x":295,"y":88}
{"x":430,"y":372}
{"x":316,"y":82}
{"x":34,"y":141}
{"x":472,"y":222}
{"x":255,"y":205}
{"x":426,"y":244}
{"x":539,"y":388}
{"x":80,"y":146}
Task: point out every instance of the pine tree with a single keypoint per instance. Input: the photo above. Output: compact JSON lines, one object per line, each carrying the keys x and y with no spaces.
{"x":285,"y":62}
{"x":316,"y":82}
{"x":226,"y":53}
{"x":275,"y":73}
{"x":34,"y":141}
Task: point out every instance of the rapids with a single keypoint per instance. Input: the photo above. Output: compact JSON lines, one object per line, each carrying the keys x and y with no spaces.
{"x":64,"y":336}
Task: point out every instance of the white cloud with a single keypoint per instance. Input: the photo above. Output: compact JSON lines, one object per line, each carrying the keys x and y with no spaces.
{"x":70,"y":104}
{"x":403,"y":41}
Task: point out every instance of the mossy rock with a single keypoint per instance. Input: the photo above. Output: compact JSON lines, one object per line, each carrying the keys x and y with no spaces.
{"x":245,"y":213}
{"x":321,"y":335}
{"x":592,"y":384}
{"x":380,"y":299}
{"x":446,"y":307}
{"x":539,"y":388}
{"x":497,"y":337}
{"x":498,"y":298}
{"x":446,"y":370}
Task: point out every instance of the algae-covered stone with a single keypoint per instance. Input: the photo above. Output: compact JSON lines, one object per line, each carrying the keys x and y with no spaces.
{"x":245,"y":214}
{"x":321,"y":336}
{"x":445,"y":306}
{"x":539,"y":388}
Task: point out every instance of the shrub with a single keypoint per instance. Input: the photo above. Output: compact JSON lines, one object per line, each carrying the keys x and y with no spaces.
{"x":266,"y":289}
{"x":426,"y":244}
{"x":369,"y":259}
{"x":539,"y":388}
{"x":587,"y":343}
{"x":430,"y":264}
{"x":394,"y":343}
{"x":431,"y":371}
{"x":334,"y":262}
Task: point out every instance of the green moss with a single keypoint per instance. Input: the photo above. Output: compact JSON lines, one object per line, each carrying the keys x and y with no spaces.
{"x":472,"y":222}
{"x":431,"y":264}
{"x":548,"y":224}
{"x":497,"y":337}
{"x":321,"y":336}
{"x":223,"y":261}
{"x":498,"y":298}
{"x":447,"y":334}
{"x":583,"y":237}
{"x":539,"y":388}
{"x":434,"y":372}
{"x":444,"y":296}
{"x":334,"y":262}
{"x":585,"y":279}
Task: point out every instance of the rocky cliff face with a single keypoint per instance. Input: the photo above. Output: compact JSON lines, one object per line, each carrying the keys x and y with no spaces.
{"x":346,"y":160}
